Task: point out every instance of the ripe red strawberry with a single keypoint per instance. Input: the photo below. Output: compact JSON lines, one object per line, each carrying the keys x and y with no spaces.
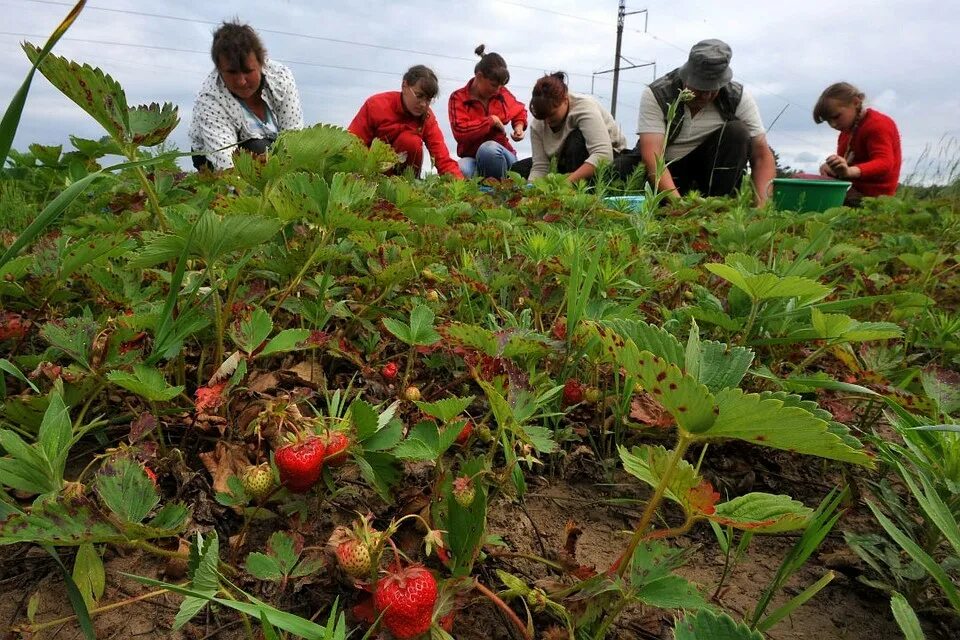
{"x":463,"y":491}
{"x":336,"y":449}
{"x":257,"y":481}
{"x":353,"y":556}
{"x":390,"y":370}
{"x":465,"y":433}
{"x":406,"y":599}
{"x":300,"y":464}
{"x":572,"y":392}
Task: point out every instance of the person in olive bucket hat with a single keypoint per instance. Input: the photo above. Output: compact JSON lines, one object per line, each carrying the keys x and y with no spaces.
{"x":715,"y":132}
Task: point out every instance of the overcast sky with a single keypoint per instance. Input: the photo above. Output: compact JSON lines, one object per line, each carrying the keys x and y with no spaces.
{"x":785,"y":53}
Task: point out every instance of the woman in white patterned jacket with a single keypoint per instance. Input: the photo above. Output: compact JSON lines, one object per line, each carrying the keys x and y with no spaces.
{"x":245,"y":102}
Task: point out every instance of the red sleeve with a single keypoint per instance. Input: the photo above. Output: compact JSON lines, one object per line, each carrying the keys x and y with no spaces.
{"x":469,"y":132}
{"x":881,"y":152}
{"x":361,"y":126}
{"x":516,"y":111}
{"x":433,"y":138}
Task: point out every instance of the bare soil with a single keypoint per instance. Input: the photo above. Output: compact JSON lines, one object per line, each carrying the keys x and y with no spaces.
{"x":576,"y":493}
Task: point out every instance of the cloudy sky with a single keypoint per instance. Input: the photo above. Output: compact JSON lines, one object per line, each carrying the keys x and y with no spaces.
{"x":341,"y":52}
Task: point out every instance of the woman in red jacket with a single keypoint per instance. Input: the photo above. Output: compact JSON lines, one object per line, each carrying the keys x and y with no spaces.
{"x":868,"y":148}
{"x":403,"y":120}
{"x":479,"y":115}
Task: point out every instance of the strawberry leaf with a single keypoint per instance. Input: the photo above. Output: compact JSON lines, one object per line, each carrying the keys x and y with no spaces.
{"x":445,"y":410}
{"x":762,"y":513}
{"x":707,"y":625}
{"x":146,"y":382}
{"x":770,"y":422}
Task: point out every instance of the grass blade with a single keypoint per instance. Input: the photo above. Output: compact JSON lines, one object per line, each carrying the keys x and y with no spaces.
{"x":906,"y":618}
{"x":791,"y":605}
{"x":76,"y":598}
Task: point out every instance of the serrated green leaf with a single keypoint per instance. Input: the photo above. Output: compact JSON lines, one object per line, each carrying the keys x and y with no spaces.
{"x":147,"y":382}
{"x":218,"y":236}
{"x":94,"y":91}
{"x":300,"y":195}
{"x":763,"y":513}
{"x":364,"y":419}
{"x":650,"y":338}
{"x":722,"y":365}
{"x":150,"y":125}
{"x":204,"y":577}
{"x":766,"y":286}
{"x":707,"y":625}
{"x":281,"y":547}
{"x":836,"y":327}
{"x":264,"y":567}
{"x":649,"y":464}
{"x":91,"y":249}
{"x":540,"y":437}
{"x":125,"y":489}
{"x":672,"y":592}
{"x":288,"y":340}
{"x":768,"y":422}
{"x":688,"y":401}
{"x":447,"y":409}
{"x":253,"y":330}
{"x":473,"y":336}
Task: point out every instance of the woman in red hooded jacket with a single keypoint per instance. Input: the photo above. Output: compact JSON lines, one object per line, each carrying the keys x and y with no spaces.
{"x":480,"y":113}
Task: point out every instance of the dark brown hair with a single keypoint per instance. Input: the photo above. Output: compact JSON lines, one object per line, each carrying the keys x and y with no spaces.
{"x":233,"y":42}
{"x":419,"y":72}
{"x":492,"y":66}
{"x":548,"y":94}
{"x":845,"y":92}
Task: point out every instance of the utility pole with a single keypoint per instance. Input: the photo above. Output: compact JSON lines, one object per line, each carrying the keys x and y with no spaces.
{"x":622,"y":13}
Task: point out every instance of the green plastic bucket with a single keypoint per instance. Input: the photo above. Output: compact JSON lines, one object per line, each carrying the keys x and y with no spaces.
{"x":795,"y":194}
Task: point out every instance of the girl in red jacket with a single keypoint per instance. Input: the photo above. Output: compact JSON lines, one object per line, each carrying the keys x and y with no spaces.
{"x":479,"y":115}
{"x":868,"y":148}
{"x":403,"y":120}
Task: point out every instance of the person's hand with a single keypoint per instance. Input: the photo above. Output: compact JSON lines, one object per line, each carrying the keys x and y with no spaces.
{"x":518,"y":132}
{"x":825,"y":170}
{"x":841,"y":169}
{"x":497,"y":123}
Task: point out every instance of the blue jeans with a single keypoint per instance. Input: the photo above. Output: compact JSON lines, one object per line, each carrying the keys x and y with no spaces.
{"x":492,"y":161}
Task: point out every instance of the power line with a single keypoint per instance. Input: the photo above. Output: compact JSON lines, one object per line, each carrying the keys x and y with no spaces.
{"x":355,"y":43}
{"x":552,"y":12}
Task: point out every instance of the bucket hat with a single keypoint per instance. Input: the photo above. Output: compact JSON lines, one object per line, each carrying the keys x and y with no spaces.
{"x":708,"y":67}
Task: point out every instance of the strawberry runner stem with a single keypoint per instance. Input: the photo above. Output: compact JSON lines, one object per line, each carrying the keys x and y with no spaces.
{"x":496,"y":600}
{"x":620,"y":566}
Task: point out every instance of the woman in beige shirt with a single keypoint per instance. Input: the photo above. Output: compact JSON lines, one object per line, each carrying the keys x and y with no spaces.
{"x":575,"y":130}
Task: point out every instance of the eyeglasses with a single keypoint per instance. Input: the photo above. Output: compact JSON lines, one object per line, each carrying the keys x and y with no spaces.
{"x":422,"y":98}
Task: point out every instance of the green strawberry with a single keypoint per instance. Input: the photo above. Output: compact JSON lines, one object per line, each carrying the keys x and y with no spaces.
{"x":257,"y":481}
{"x":463,"y":491}
{"x":353,"y":556}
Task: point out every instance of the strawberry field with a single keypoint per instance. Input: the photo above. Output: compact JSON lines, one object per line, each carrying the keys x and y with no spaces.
{"x":304,"y":399}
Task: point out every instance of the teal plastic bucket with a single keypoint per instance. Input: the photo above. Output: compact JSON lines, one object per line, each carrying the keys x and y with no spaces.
{"x":625,"y":203}
{"x":796,"y":194}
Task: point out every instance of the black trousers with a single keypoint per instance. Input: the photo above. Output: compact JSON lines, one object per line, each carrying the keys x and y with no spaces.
{"x":257,"y":146}
{"x":716,"y":167}
{"x":573,"y":153}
